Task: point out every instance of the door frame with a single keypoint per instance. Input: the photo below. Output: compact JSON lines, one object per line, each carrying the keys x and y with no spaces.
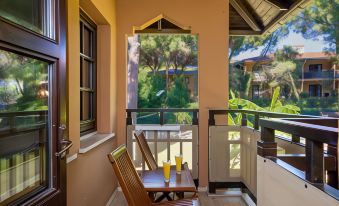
{"x":17,"y":39}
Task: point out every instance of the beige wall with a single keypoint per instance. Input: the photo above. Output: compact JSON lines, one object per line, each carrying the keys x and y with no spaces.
{"x":208,"y":19}
{"x":90,"y":179}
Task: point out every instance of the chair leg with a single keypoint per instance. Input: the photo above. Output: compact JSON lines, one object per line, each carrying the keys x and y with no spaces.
{"x":152,"y":196}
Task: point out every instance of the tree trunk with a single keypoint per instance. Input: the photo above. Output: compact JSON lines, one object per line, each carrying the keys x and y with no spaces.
{"x":133,"y":70}
{"x":294,"y":88}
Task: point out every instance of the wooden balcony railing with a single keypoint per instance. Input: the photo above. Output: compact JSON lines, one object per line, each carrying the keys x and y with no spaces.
{"x":316,"y":156}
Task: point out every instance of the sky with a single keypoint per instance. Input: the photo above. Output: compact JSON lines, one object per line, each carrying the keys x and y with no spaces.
{"x":292,"y":39}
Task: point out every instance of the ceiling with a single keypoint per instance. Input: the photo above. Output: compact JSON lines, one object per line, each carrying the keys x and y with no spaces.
{"x":257,"y":17}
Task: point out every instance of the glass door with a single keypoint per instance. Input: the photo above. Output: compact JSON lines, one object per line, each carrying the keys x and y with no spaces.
{"x":33,"y":140}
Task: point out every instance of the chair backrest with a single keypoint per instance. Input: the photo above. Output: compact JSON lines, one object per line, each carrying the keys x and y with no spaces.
{"x":145,"y":150}
{"x":128,"y":177}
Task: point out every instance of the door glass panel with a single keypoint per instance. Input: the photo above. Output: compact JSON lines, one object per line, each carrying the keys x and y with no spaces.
{"x":36,"y":15}
{"x":24,"y":126}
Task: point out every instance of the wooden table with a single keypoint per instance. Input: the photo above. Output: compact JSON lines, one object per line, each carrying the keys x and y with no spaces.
{"x":154,"y":182}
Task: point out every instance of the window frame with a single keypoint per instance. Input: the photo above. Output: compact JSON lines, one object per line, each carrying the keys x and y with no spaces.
{"x":314,"y":92}
{"x":315,"y":66}
{"x":88,"y":126}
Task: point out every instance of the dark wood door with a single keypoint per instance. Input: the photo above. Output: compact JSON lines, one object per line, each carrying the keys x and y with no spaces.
{"x":33,"y":139}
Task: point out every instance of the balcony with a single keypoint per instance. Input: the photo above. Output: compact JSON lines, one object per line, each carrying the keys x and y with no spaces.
{"x":328,"y":75}
{"x":277,"y":148}
{"x":64,"y":90}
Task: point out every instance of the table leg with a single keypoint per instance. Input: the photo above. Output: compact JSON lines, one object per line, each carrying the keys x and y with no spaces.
{"x":180,"y":195}
{"x":163,"y":196}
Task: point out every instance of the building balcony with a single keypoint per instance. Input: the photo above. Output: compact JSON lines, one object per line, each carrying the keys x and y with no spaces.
{"x":329,"y":75}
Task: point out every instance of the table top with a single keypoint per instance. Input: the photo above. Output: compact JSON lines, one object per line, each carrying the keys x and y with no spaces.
{"x":154,"y":180}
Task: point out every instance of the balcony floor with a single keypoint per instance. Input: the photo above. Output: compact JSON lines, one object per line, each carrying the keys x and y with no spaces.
{"x":204,"y":200}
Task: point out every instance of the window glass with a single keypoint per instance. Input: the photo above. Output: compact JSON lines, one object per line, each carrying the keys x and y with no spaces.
{"x":315,"y":67}
{"x":24,"y":126}
{"x":36,"y":15}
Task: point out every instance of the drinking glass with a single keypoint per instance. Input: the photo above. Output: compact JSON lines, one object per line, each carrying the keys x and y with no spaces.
{"x":167,"y":170}
{"x":178,"y":163}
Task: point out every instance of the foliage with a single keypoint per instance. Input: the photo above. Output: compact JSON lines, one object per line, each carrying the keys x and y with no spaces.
{"x":320,"y":20}
{"x":177,"y":51}
{"x":178,"y":96}
{"x":238,"y":80}
{"x":268,"y":42}
{"x":159,"y":52}
{"x":20,"y":79}
{"x":150,"y":88}
{"x":276,"y":105}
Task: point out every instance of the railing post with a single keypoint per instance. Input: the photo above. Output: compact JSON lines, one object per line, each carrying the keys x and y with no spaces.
{"x":12,"y":122}
{"x":295,"y":138}
{"x":129,"y":118}
{"x":195,"y":120}
{"x":314,"y":161}
{"x":267,"y":145}
{"x":211,"y":120}
{"x":332,"y":176}
{"x":244,"y":119}
{"x":256,"y":121}
{"x":162,"y":121}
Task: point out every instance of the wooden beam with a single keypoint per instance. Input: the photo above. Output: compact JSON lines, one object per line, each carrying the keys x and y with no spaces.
{"x":245,"y":14}
{"x":281,"y":5}
{"x":283,"y":15}
{"x":234,"y":32}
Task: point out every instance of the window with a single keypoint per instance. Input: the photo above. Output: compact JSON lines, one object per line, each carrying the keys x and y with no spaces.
{"x":35,"y":15}
{"x":315,"y":67}
{"x":87,"y":75}
{"x":24,"y":137}
{"x":255,"y":91}
{"x":315,"y":90}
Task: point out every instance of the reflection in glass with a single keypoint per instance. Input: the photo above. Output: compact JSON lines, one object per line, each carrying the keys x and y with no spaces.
{"x":23,"y":125}
{"x":36,"y":15}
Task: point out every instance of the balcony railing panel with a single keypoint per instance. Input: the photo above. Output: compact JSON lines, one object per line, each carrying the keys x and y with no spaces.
{"x":321,"y":75}
{"x":165,"y":140}
{"x":278,"y":186}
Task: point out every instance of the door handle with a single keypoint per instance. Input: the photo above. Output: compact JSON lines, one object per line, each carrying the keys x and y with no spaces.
{"x":67,"y":145}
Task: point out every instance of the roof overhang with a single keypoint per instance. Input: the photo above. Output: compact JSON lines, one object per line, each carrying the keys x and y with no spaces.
{"x":258,"y":17}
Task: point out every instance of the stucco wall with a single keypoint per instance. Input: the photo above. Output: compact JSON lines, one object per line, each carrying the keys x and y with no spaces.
{"x":208,"y":19}
{"x":90,"y":178}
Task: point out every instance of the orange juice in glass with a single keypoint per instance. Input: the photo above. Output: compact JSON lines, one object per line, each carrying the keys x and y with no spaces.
{"x":178,"y":163}
{"x":167,"y":170}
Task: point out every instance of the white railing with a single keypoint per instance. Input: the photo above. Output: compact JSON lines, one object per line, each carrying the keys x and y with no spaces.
{"x":165,"y":141}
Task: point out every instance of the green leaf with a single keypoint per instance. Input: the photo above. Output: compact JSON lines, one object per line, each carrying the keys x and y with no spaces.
{"x":275,"y":97}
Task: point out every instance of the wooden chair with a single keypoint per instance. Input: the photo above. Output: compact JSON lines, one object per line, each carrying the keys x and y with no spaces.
{"x":145,"y":150}
{"x":131,"y":183}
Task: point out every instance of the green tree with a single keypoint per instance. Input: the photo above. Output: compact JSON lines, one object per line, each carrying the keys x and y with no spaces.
{"x":178,"y":96}
{"x":320,"y":20}
{"x":26,"y":74}
{"x":276,"y":105}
